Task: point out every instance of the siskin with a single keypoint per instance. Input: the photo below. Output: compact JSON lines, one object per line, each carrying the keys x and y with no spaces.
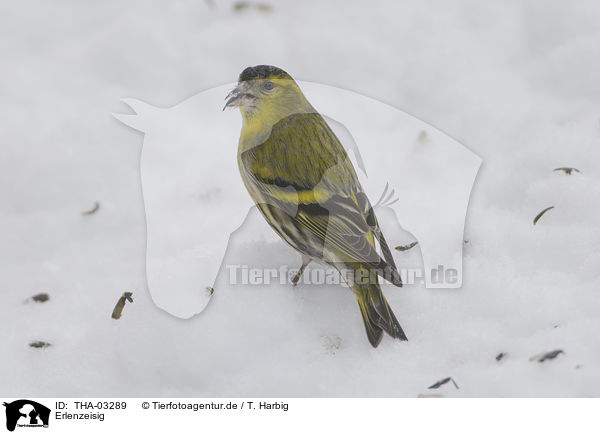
{"x":302,"y":181}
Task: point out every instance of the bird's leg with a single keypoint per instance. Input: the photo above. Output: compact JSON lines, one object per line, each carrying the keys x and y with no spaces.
{"x":305,"y":261}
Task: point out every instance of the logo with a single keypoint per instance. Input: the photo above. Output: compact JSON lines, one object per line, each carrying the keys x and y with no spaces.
{"x":26,"y":413}
{"x":418,"y":178}
{"x":195,"y":201}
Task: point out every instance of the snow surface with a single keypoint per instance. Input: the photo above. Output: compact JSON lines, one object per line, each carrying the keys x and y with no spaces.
{"x":517,"y":83}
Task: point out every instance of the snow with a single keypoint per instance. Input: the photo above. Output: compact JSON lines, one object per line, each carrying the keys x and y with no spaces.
{"x":514,"y":82}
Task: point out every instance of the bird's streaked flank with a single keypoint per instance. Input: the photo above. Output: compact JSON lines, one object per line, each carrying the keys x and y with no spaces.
{"x":304,"y":184}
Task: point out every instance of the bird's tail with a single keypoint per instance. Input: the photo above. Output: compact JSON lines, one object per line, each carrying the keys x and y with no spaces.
{"x":377,"y":314}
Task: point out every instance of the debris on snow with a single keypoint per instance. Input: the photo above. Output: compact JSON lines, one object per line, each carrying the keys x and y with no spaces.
{"x":567,"y":170}
{"x":92,"y":210}
{"x":537,"y":217}
{"x":261,"y":7}
{"x":39,"y":344}
{"x":118,"y":310}
{"x":442,"y":382}
{"x":407,"y":247}
{"x":542,"y":357}
{"x":42,"y":297}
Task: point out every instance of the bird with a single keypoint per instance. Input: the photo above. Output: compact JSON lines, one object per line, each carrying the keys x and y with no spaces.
{"x":305,"y":186}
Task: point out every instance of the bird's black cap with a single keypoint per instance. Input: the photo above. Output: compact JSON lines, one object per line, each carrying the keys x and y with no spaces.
{"x":261,"y":72}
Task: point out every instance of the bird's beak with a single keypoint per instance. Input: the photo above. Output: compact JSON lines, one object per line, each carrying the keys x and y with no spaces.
{"x":241,"y":96}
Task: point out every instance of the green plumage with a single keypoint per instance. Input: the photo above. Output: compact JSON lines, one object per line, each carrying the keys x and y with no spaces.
{"x":304,"y":184}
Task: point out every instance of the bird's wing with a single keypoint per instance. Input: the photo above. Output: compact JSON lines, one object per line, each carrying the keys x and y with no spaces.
{"x":303,"y":169}
{"x":341,"y":227}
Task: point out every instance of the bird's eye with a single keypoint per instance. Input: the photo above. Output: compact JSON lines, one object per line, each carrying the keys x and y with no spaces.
{"x":268,"y":85}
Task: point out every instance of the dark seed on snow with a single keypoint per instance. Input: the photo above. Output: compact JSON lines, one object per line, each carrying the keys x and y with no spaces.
{"x":41,"y":297}
{"x":542,"y":357}
{"x":567,"y":170}
{"x":39,"y":344}
{"x":118,"y":310}
{"x":442,"y":382}
{"x":92,"y":210}
{"x":407,"y":247}
{"x":539,"y":216}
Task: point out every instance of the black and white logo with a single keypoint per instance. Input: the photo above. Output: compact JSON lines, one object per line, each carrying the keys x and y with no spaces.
{"x":26,"y":413}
